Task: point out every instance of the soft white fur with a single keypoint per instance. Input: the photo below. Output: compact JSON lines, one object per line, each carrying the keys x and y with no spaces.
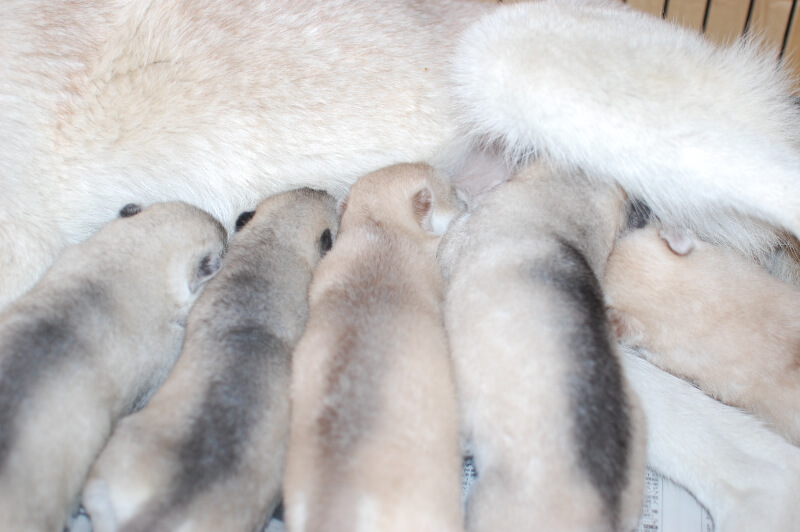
{"x":695,"y":130}
{"x":215,"y":103}
{"x":746,"y":475}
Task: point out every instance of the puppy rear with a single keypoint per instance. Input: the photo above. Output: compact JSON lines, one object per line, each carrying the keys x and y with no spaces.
{"x":374,"y":432}
{"x":215,"y":435}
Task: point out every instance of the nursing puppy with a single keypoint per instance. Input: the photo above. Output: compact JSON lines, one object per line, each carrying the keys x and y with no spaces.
{"x":89,"y":344}
{"x":709,"y":315}
{"x":556,"y":434}
{"x":207,"y":452}
{"x":374,"y":431}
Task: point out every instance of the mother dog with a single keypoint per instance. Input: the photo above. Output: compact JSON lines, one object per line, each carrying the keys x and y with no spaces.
{"x":222,"y":103}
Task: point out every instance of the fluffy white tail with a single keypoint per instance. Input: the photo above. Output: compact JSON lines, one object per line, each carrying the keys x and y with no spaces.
{"x":707,"y":136}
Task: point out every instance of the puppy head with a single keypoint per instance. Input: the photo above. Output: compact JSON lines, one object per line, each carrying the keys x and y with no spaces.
{"x":649,"y":274}
{"x":412,"y":197}
{"x":167,"y":250}
{"x":305,"y":219}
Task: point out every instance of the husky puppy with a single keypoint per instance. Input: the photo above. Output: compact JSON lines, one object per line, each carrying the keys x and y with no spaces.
{"x":745,"y":474}
{"x":556,"y":434}
{"x":89,"y":344}
{"x":207,"y":452}
{"x":374,"y":431}
{"x":707,"y":314}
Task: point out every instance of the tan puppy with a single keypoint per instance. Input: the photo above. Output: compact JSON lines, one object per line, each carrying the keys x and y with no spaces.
{"x":207,"y":452}
{"x":557,"y":436}
{"x":707,"y":314}
{"x":374,"y":434}
{"x":88,"y":344}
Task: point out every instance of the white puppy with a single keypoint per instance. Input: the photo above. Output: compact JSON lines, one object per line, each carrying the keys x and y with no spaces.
{"x":374,"y":432}
{"x":207,"y":452}
{"x":709,"y":315}
{"x":557,"y":435}
{"x":88,"y":344}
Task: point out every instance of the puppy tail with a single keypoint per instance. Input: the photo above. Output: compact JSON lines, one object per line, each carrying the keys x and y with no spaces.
{"x":707,"y":136}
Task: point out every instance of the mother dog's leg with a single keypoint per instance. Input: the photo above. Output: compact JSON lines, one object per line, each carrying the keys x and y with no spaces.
{"x":707,"y":136}
{"x":747,"y":476}
{"x":214,"y":103}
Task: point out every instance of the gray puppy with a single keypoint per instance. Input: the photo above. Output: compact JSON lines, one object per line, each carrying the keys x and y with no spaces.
{"x":88,"y":344}
{"x":207,"y":452}
{"x":556,"y":434}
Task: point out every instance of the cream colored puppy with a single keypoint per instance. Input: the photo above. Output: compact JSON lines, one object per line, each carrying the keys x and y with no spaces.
{"x":707,"y":314}
{"x":557,"y":435}
{"x":89,"y":344}
{"x":374,"y":432}
{"x":207,"y":452}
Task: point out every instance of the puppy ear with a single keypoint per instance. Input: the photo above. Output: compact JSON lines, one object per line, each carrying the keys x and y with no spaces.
{"x":243,"y":218}
{"x":422,"y":203}
{"x":325,"y":242}
{"x":432,"y":217}
{"x":131,"y":209}
{"x":679,"y":242}
{"x":206,"y":269}
{"x":341,"y":206}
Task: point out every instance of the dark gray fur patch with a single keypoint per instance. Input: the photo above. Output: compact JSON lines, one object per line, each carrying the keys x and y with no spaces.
{"x":35,"y":347}
{"x":602,"y":428}
{"x":232,"y":405}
